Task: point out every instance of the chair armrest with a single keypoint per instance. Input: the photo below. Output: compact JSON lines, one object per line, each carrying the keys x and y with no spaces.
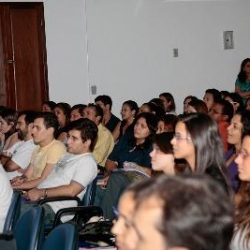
{"x":80,"y":212}
{"x":59,"y":198}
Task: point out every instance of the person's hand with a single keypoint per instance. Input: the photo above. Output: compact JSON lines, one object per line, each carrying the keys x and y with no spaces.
{"x":129,"y":164}
{"x":103,"y":182}
{"x":7,"y":153}
{"x":34,"y":194}
{"x":18,"y":180}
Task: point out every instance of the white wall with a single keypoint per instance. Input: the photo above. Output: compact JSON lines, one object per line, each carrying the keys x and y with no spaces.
{"x":130,"y":48}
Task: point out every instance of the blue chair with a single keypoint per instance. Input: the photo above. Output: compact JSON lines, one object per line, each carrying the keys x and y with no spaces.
{"x":13,"y":213}
{"x":28,"y":230}
{"x":89,"y":196}
{"x":88,"y":200}
{"x":63,"y":237}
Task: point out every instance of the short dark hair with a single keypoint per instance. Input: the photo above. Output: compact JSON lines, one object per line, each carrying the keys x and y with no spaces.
{"x":51,"y":104}
{"x":196,"y":212}
{"x":132,"y":105}
{"x":236,"y":98}
{"x":9,"y":115}
{"x":199,"y":105}
{"x":215,"y":93}
{"x":88,"y":130}
{"x":49,"y":120}
{"x":66,"y":108}
{"x":227,"y":108}
{"x":163,"y":142}
{"x":105,"y":99}
{"x":169,"y":97}
{"x":79,"y":107}
{"x":245,"y":120}
{"x":29,"y":116}
{"x":97,"y":108}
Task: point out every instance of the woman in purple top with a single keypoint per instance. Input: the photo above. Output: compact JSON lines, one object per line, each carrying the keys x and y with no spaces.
{"x":239,"y":126}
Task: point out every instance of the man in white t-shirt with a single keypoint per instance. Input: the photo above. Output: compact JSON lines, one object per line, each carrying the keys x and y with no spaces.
{"x":5,"y":197}
{"x":20,"y":155}
{"x":74,"y":171}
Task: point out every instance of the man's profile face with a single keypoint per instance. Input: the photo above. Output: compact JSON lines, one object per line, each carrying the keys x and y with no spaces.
{"x":75,"y":115}
{"x":101,"y":104}
{"x":21,"y":127}
{"x":144,"y":224}
{"x":40,"y":133}
{"x":75,"y":145}
{"x":90,"y":113}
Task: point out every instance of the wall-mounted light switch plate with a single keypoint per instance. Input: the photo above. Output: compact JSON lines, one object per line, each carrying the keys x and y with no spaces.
{"x":93,"y":89}
{"x":175,"y":53}
{"x":228,"y":40}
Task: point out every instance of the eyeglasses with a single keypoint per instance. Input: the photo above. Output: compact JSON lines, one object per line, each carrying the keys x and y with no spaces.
{"x":178,"y":137}
{"x":244,"y":154}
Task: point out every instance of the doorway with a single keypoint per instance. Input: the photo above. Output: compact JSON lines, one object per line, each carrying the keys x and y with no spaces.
{"x":23,"y":60}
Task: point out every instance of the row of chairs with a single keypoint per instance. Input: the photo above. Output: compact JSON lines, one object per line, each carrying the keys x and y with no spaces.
{"x":28,"y":233}
{"x":81,"y":214}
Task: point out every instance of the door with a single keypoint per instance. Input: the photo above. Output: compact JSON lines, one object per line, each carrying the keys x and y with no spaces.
{"x":23,"y":66}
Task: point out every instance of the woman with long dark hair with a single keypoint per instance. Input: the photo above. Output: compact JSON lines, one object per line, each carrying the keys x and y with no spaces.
{"x":197,"y":142}
{"x":239,"y":126}
{"x":128,"y":162}
{"x":241,"y":239}
{"x":128,"y":113}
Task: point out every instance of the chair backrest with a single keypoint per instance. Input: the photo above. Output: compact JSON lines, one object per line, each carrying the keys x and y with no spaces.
{"x":88,"y":198}
{"x":28,"y":229}
{"x":13,"y":212}
{"x":63,"y":237}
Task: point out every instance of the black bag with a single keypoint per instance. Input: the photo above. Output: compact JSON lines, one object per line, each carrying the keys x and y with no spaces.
{"x":7,"y":241}
{"x":97,"y":233}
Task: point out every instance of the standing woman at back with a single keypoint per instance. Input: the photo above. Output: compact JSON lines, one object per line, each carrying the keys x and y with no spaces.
{"x":242,"y":83}
{"x":198,"y":144}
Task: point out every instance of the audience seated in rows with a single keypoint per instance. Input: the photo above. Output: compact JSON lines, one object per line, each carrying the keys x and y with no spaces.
{"x":178,"y":212}
{"x":73,"y":172}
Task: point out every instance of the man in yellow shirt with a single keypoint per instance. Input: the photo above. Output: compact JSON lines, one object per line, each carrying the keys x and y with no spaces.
{"x":105,"y":141}
{"x":44,"y":156}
